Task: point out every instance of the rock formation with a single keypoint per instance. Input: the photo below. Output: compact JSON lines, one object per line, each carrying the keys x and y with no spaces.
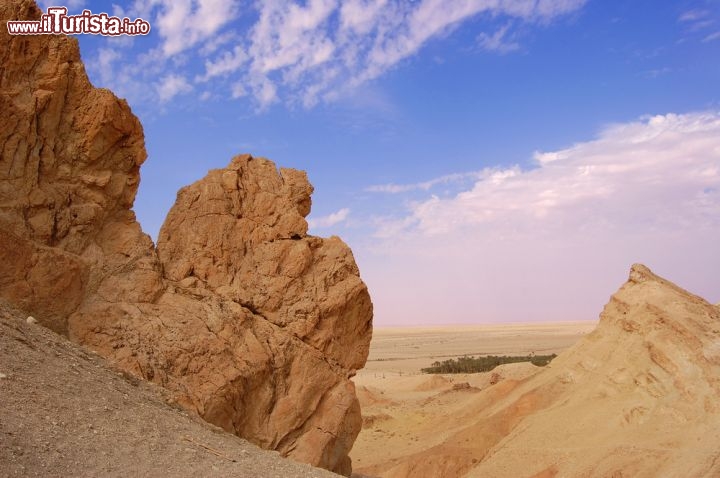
{"x":248,"y":320}
{"x":636,"y":397}
{"x":65,"y":413}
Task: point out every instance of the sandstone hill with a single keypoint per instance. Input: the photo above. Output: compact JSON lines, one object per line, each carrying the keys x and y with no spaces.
{"x":246,"y":319}
{"x":636,"y":397}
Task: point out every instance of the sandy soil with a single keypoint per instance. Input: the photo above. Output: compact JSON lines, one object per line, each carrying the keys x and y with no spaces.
{"x":406,"y":411}
{"x":408,"y":349}
{"x":64,"y":412}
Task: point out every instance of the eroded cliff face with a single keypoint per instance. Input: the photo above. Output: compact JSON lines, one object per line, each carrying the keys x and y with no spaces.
{"x":248,"y":320}
{"x":637,"y":397}
{"x":69,"y":172}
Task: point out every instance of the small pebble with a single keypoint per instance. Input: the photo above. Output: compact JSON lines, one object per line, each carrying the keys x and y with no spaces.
{"x":31,"y":320}
{"x":2,"y":376}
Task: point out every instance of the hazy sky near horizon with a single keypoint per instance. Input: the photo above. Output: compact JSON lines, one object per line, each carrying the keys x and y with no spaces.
{"x":486,"y":160}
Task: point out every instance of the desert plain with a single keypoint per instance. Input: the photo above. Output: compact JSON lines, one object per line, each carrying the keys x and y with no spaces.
{"x":406,"y":411}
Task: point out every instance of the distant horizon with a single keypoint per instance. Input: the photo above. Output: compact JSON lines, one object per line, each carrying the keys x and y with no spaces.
{"x":485,"y":161}
{"x":484,"y":324}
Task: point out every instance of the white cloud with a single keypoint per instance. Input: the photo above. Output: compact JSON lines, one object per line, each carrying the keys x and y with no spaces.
{"x":299,"y":52}
{"x":547,"y":9}
{"x":129,"y":76}
{"x":329,"y":220}
{"x":105,"y":59}
{"x":263,"y":89}
{"x":426,"y":185}
{"x":308,"y":52}
{"x":697,"y":20}
{"x":551,"y":243}
{"x":627,"y":164}
{"x":118,"y":11}
{"x":184,"y":23}
{"x":289,"y":40}
{"x":238,"y":90}
{"x":498,"y":41}
{"x":712,"y":37}
{"x":360,"y":16}
{"x":693,"y":15}
{"x":215,"y":42}
{"x":227,"y":63}
{"x":172,"y":85}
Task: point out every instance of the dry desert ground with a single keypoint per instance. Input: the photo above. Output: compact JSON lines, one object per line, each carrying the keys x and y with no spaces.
{"x":406,"y":411}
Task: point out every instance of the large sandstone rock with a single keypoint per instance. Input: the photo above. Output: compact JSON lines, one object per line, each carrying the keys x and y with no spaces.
{"x":69,"y":172}
{"x":240,"y":233}
{"x":248,"y":320}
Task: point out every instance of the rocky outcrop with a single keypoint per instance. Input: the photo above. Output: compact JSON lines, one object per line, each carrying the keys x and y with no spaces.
{"x":69,"y":172}
{"x":637,"y":397}
{"x":258,"y":327}
{"x":243,"y":316}
{"x":241,"y":234}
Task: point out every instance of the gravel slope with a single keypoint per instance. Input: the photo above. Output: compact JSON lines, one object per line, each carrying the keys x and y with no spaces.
{"x":65,"y":412}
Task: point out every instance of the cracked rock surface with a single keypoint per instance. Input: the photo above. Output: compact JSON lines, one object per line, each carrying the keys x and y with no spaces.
{"x":241,"y":315}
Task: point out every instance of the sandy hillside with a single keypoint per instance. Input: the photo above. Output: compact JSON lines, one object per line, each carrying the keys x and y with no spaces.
{"x":636,"y":397}
{"x":405,"y":411}
{"x":63,"y":412}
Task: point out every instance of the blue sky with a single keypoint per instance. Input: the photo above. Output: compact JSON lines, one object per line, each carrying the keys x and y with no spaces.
{"x":487,"y":160}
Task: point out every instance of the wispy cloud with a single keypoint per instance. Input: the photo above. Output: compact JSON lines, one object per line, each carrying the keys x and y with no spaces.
{"x":712,"y":37}
{"x":184,"y":23}
{"x":226,"y":63}
{"x":499,"y":41}
{"x":329,"y":220}
{"x":693,"y":15}
{"x":427,"y":185}
{"x":172,"y":85}
{"x":657,"y":72}
{"x":520,"y":237}
{"x":627,"y":164}
{"x":305,"y":52}
{"x":697,"y":20}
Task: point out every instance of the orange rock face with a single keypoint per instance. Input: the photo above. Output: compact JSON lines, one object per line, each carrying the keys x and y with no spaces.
{"x":251,"y":322}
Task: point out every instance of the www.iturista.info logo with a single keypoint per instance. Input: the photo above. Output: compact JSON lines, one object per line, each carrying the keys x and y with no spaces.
{"x":57,"y":22}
